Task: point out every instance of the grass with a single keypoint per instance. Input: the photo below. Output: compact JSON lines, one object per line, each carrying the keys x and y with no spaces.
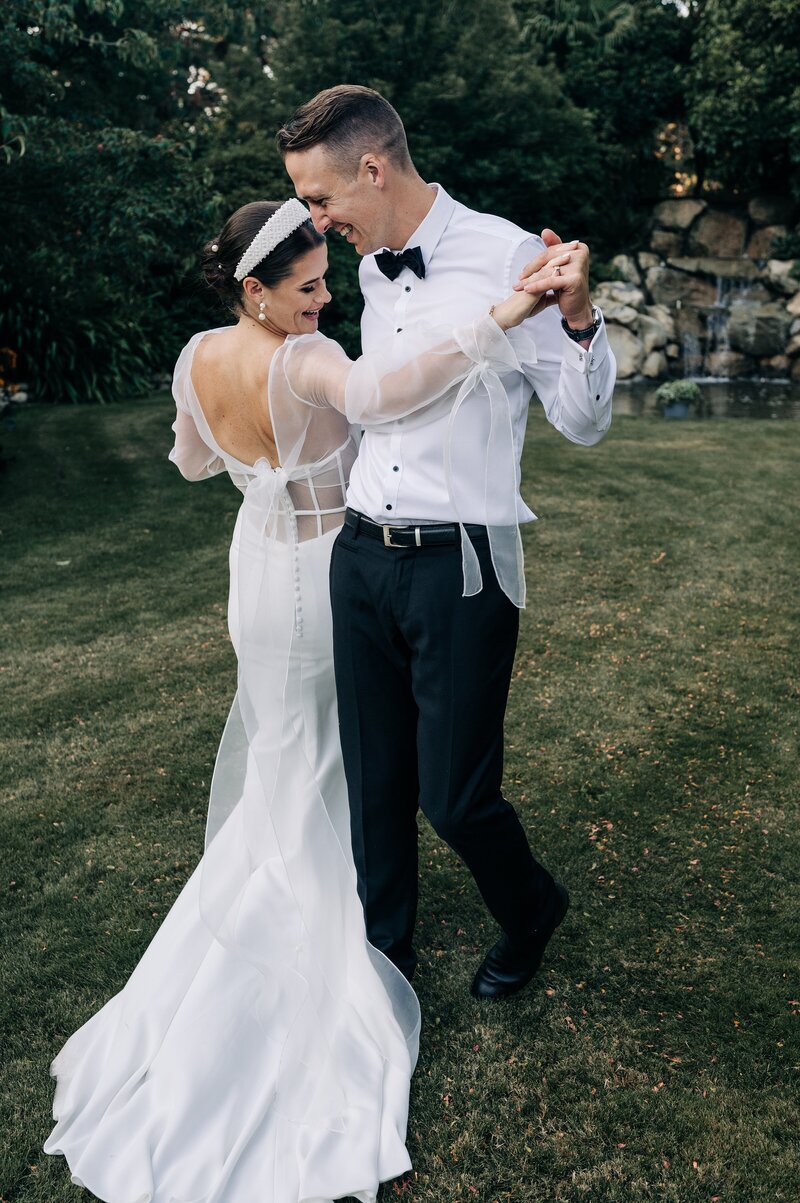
{"x":652,"y":740}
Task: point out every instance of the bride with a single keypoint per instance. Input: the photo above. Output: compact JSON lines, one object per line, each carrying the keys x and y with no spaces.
{"x":262,"y":1050}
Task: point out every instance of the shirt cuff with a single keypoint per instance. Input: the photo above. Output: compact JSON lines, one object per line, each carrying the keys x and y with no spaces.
{"x":587,"y":359}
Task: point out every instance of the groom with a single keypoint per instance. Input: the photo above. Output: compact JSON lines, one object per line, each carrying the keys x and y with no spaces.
{"x":423,"y":672}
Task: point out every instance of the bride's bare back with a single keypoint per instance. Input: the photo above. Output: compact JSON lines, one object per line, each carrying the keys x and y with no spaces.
{"x":230,"y":375}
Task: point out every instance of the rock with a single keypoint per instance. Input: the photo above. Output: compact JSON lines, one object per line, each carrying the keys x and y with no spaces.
{"x":664,"y":243}
{"x":678,"y":214}
{"x":725,"y":269}
{"x":626,"y":269}
{"x":795,"y":327}
{"x":626,"y":315}
{"x":652,"y":333}
{"x":655,"y":365}
{"x":620,"y":293}
{"x":758,"y":329}
{"x":760,"y":244}
{"x":720,"y":235}
{"x":795,"y":373}
{"x":771,"y":210}
{"x":778,"y":272}
{"x":666,"y":286}
{"x":665,"y":319}
{"x":776,"y":367}
{"x":793,"y":346}
{"x":793,"y":306}
{"x":673,"y":351}
{"x":628,"y":351}
{"x":646,"y":260}
{"x":727,"y":364}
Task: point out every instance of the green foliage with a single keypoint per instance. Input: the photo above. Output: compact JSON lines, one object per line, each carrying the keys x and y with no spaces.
{"x":620,"y":66}
{"x":743,"y":94}
{"x":786,"y":246}
{"x":678,"y":392}
{"x":128,"y":132}
{"x":110,"y":201}
{"x":564,"y":23}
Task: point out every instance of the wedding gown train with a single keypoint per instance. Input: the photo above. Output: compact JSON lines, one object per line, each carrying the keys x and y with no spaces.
{"x":262,"y":1050}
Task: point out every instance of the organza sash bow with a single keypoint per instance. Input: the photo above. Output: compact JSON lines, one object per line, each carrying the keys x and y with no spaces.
{"x":500,"y":469}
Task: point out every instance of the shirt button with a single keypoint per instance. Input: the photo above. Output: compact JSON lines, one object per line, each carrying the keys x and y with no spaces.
{"x":399,"y":330}
{"x":396,"y":468}
{"x":408,"y":288}
{"x":597,"y":398}
{"x":388,"y":507}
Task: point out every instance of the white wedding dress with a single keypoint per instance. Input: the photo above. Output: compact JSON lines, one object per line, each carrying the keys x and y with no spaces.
{"x":262,"y":1050}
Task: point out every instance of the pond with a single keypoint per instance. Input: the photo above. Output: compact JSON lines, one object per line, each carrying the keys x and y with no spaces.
{"x":721,"y":398}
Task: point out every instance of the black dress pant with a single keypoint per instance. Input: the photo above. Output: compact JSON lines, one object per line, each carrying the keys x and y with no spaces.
{"x":422,"y":678}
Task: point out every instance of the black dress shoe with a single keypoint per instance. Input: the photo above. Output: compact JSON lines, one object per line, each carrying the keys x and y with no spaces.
{"x":510,"y":964}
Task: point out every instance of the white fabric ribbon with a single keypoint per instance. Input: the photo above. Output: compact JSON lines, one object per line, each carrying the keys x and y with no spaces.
{"x":500,"y":467}
{"x":266,"y":493}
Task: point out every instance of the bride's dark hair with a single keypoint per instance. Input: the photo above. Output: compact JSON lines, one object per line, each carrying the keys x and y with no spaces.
{"x":238,"y":232}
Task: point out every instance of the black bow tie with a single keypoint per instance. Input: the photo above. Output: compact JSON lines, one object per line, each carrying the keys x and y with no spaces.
{"x":391,"y":264}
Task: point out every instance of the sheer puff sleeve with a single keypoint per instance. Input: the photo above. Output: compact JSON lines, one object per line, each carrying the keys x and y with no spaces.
{"x":414,"y":370}
{"x":194,"y":459}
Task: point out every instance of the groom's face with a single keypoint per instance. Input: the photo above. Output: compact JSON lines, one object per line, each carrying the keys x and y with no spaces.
{"x":355,"y":208}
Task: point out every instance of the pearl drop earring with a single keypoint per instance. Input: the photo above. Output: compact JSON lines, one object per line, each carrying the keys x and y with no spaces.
{"x":262,"y":317}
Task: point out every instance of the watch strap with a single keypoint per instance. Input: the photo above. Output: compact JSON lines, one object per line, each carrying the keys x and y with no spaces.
{"x":580,"y":336}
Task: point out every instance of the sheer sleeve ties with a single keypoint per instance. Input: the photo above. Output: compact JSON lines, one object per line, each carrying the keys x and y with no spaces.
{"x":419,"y":367}
{"x":491,"y":355}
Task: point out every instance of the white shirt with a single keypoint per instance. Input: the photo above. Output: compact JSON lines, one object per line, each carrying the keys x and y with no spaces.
{"x":472,"y":260}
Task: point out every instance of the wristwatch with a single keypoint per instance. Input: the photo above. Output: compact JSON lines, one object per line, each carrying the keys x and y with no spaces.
{"x":580,"y":336}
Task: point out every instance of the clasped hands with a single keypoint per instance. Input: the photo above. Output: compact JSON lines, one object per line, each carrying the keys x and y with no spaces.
{"x":557,"y":276}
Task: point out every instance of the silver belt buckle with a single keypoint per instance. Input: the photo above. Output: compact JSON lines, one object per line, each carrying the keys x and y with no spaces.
{"x":387,"y":537}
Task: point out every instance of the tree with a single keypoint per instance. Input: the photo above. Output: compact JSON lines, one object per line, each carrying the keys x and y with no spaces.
{"x":109,"y":202}
{"x":484,"y":116}
{"x":743,"y":94}
{"x":624,"y":67}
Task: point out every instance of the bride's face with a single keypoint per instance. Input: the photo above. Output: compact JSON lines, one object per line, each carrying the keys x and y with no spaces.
{"x":294,"y":305}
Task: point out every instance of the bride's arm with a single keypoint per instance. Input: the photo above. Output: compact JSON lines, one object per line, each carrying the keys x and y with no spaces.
{"x":412,"y":371}
{"x":193,"y":458}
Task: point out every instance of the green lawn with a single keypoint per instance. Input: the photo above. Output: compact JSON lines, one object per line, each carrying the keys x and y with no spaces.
{"x":652,"y":738}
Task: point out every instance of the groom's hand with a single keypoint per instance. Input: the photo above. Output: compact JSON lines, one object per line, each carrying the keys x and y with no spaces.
{"x":570,"y":282}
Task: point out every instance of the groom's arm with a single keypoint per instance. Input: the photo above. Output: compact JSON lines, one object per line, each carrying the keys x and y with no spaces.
{"x":573,"y":381}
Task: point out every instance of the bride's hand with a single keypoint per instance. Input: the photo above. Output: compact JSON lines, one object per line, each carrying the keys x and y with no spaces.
{"x":541,"y":288}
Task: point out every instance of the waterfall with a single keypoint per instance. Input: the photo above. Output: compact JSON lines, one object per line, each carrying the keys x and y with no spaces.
{"x":700,"y":353}
{"x":729,"y":292}
{"x":691,"y":354}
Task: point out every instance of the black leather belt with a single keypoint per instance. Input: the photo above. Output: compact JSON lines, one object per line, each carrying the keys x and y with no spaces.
{"x":408,"y":536}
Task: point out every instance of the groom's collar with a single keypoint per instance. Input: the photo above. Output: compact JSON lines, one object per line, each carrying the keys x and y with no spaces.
{"x":433,"y":225}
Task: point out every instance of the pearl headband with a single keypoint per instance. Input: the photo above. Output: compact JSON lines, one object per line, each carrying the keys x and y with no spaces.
{"x":284,"y":221}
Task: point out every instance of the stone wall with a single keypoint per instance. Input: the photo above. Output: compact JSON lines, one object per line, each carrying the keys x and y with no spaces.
{"x":706,"y":299}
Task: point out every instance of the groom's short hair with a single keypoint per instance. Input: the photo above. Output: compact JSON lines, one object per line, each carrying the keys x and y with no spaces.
{"x":348,"y":121}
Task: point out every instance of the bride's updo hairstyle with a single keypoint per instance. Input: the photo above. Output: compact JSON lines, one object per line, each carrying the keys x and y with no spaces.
{"x":218,"y":265}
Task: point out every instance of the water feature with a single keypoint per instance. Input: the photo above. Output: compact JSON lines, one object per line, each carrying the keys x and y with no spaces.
{"x":706,"y":352}
{"x":761,"y":399}
{"x":729,"y":293}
